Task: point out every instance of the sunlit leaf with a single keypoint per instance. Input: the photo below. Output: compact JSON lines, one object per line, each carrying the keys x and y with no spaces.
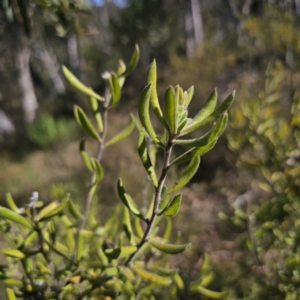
{"x":97,"y":169}
{"x":138,"y":228}
{"x":85,"y":123}
{"x":194,"y":152}
{"x":47,"y":209}
{"x":85,"y":156}
{"x":133,"y":61}
{"x":127,"y":225}
{"x":13,"y":253}
{"x":179,"y":282}
{"x":170,"y":109}
{"x":112,"y":271}
{"x":151,"y":277}
{"x":143,"y":153}
{"x":169,"y":248}
{"x":127,"y":200}
{"x":11,"y":203}
{"x":120,"y":252}
{"x":200,"y":122}
{"x":190,"y":94}
{"x":167,"y":229}
{"x":154,"y":103}
{"x":186,"y":176}
{"x":208,"y":138}
{"x":173,"y":206}
{"x":13,"y":281}
{"x":115,"y":89}
{"x":94,"y":107}
{"x":212,"y":294}
{"x":79,"y":85}
{"x":10,"y":215}
{"x":58,"y":209}
{"x":9,"y":294}
{"x":144,"y":113}
{"x":123,"y":134}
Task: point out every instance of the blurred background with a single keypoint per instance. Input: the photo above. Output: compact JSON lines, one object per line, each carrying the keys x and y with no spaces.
{"x":243,"y":205}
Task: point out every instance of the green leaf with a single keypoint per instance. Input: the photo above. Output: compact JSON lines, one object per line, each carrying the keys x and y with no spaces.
{"x":79,"y":85}
{"x":190,"y":94}
{"x":179,"y":282}
{"x":8,"y":214}
{"x":112,"y":271}
{"x":144,"y":112}
{"x":123,"y":134}
{"x":115,"y":89}
{"x":173,"y":206}
{"x":30,"y":237}
{"x":102,"y":257}
{"x":70,"y":241}
{"x":186,"y":176}
{"x":10,"y":295}
{"x":143,"y":153}
{"x":168,"y":229}
{"x":85,"y":123}
{"x":73,"y":210}
{"x":97,"y":169}
{"x":127,"y":226}
{"x":11,"y":203}
{"x":13,"y":281}
{"x":169,"y":248}
{"x":84,"y":155}
{"x":151,"y":79}
{"x":58,"y":209}
{"x":212,"y":294}
{"x":94,"y":107}
{"x":120,"y":252}
{"x":170,"y":109}
{"x":127,"y":200}
{"x":138,"y":228}
{"x":133,"y":61}
{"x":121,"y":67}
{"x":79,"y":246}
{"x":14,"y":253}
{"x":154,"y":278}
{"x":192,"y":153}
{"x":211,"y":136}
{"x":47,"y":209}
{"x":200,"y":122}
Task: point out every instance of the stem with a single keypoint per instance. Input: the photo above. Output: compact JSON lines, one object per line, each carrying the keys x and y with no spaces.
{"x":89,"y":197}
{"x":157,"y":201}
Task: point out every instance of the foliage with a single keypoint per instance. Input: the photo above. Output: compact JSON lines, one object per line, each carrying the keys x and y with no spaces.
{"x":56,"y":250}
{"x":265,"y":133}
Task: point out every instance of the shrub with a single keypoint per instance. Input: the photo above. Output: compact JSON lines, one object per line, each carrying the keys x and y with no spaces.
{"x":56,"y":251}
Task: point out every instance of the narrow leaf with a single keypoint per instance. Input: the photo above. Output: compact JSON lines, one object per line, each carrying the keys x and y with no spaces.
{"x":212,"y":294}
{"x":123,"y":134}
{"x":47,"y":209}
{"x":167,"y":230}
{"x":11,"y":203}
{"x":144,"y":112}
{"x":173,"y":206}
{"x":79,"y":246}
{"x":13,"y":282}
{"x":73,"y":210}
{"x":138,"y":228}
{"x":200,"y":122}
{"x":8,"y":214}
{"x":86,"y":124}
{"x":186,"y":176}
{"x":10,"y":295}
{"x":212,"y":135}
{"x":102,"y":256}
{"x":97,"y":169}
{"x":127,"y":200}
{"x":112,"y":271}
{"x":79,"y":85}
{"x":56,"y":210}
{"x":14,"y":253}
{"x":115,"y":89}
{"x":170,"y":109}
{"x":133,"y":61}
{"x":85,"y":156}
{"x":143,"y":153}
{"x":179,"y":282}
{"x":154,"y":278}
{"x":192,"y":153}
{"x":94,"y":107}
{"x":120,"y":252}
{"x":127,"y":226}
{"x":151,"y":79}
{"x":169,"y":248}
{"x":190,"y":94}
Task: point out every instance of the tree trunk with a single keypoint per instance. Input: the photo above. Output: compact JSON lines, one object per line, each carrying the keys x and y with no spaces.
{"x":19,"y":102}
